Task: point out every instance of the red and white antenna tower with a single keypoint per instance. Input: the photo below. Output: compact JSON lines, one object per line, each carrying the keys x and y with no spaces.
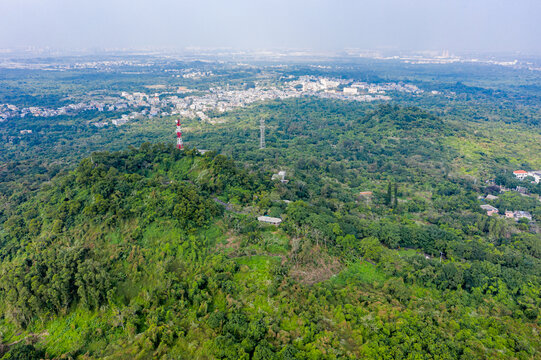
{"x":180,"y":144}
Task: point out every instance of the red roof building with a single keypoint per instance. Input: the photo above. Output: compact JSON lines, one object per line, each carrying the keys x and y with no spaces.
{"x":520,"y":174}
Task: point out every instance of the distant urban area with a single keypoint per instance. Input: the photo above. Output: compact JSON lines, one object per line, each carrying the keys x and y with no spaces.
{"x":198,"y":103}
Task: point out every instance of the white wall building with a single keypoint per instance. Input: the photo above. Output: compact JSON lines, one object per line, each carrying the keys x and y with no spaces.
{"x":522,"y":174}
{"x":270,"y":220}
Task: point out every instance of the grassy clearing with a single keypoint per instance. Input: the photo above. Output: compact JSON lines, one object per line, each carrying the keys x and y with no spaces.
{"x":256,"y":269}
{"x":408,"y":252}
{"x":158,"y":234}
{"x":254,"y":279}
{"x":275,"y":242}
{"x":8,"y":332}
{"x":496,"y":144}
{"x":361,"y":272}
{"x":70,"y":333}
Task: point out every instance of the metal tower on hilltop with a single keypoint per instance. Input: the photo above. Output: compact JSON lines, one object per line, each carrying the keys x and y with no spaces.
{"x":262,"y":133}
{"x":180,"y":144}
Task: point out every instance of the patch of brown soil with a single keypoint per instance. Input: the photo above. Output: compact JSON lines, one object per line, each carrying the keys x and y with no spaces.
{"x":322,"y":268}
{"x":232,"y":242}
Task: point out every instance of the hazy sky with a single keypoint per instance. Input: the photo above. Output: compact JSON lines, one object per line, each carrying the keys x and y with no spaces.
{"x":457,"y":25}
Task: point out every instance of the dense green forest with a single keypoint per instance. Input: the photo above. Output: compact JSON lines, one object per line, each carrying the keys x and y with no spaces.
{"x":151,"y":252}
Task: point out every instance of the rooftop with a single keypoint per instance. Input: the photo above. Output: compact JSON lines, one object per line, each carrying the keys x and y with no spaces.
{"x":269,"y":219}
{"x":488,"y":207}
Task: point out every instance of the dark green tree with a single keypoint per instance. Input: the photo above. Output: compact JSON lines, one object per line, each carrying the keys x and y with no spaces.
{"x":395,"y":192}
{"x":389,"y":196}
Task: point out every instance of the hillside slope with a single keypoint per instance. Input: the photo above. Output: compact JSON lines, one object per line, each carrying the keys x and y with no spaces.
{"x":133,"y":255}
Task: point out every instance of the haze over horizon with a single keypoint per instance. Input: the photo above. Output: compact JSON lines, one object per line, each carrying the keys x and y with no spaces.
{"x":320,"y":25}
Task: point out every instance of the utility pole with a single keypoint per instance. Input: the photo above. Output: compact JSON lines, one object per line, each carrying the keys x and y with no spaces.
{"x":180,"y":144}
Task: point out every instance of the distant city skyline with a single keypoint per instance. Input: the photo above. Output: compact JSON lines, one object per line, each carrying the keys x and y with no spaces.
{"x":318,"y":25}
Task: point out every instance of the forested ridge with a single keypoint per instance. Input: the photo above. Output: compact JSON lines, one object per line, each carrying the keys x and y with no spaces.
{"x":133,"y":254}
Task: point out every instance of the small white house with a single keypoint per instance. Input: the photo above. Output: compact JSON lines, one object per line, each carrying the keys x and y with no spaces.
{"x":522,"y":174}
{"x":119,"y":122}
{"x":270,"y":220}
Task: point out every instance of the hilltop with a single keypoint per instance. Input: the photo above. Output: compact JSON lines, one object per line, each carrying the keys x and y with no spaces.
{"x":132,"y":254}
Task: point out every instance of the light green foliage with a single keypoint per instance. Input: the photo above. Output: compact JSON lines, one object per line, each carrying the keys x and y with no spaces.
{"x":360,"y":272}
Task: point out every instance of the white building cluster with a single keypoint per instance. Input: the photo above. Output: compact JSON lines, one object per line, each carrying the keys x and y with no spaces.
{"x":351,"y":89}
{"x":221,"y":99}
{"x":217,"y":99}
{"x":11,"y":111}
